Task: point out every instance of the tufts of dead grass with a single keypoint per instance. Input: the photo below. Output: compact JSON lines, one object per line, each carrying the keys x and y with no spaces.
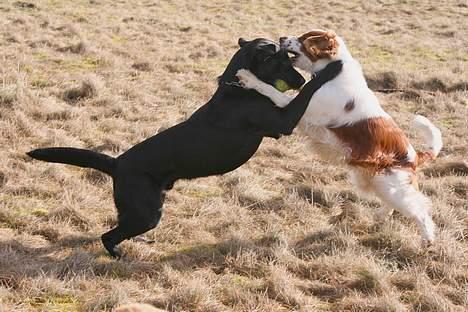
{"x":137,"y":307}
{"x":89,"y":88}
{"x":3,"y":179}
{"x":71,"y":216}
{"x":385,"y":80}
{"x":459,"y":168}
{"x":7,"y":98}
{"x":77,"y":48}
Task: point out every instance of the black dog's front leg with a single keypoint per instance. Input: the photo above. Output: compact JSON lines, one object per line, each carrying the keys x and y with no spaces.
{"x":283,"y":121}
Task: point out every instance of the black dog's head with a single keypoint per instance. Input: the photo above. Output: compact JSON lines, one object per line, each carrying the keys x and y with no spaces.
{"x":266,"y":60}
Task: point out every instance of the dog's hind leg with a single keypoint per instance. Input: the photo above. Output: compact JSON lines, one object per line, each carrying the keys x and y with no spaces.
{"x":397,"y":191}
{"x":139,"y":203}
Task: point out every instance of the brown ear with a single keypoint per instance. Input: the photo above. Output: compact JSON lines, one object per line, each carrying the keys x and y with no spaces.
{"x":318,"y":44}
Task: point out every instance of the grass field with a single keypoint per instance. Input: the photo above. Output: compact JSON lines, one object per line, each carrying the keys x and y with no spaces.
{"x":285,"y":232}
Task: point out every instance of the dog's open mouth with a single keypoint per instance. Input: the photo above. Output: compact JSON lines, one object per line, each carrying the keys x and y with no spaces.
{"x":293,"y":55}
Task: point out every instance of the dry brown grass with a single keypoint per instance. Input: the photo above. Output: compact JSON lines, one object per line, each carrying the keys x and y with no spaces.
{"x":284,"y":232}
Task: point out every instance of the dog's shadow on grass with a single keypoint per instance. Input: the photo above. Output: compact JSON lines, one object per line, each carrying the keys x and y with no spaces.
{"x":242,"y":256}
{"x":218,"y":256}
{"x":249,"y":255}
{"x":18,"y":260}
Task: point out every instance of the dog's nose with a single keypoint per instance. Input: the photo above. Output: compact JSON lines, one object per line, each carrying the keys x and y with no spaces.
{"x":282,"y":39}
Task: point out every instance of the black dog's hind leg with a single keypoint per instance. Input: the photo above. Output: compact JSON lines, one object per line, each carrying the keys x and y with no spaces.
{"x":139,"y":203}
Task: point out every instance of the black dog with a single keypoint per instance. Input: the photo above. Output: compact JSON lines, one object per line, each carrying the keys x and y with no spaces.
{"x":219,"y":137}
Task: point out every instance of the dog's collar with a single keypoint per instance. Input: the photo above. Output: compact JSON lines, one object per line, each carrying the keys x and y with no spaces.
{"x":233,"y":84}
{"x":315,"y":74}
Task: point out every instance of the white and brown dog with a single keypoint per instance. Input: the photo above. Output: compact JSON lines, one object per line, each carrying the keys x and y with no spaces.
{"x":345,"y":124}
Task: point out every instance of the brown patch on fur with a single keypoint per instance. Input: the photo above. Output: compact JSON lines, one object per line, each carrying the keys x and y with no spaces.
{"x":376,"y":144}
{"x":318,"y":44}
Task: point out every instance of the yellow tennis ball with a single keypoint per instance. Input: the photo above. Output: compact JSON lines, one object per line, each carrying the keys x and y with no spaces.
{"x":281,"y":85}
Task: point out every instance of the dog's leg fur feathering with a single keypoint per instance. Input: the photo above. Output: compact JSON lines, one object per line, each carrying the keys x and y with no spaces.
{"x":397,"y":191}
{"x":431,"y":136}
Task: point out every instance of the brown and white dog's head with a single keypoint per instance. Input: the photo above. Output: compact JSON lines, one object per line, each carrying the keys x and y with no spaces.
{"x":314,"y":49}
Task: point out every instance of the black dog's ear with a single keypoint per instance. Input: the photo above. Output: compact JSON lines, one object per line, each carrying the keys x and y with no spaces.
{"x":242,"y":42}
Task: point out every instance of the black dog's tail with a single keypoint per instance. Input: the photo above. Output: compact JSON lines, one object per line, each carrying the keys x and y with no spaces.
{"x":77,"y":157}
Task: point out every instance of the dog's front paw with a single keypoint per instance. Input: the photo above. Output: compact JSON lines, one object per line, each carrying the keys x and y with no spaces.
{"x":247,"y":79}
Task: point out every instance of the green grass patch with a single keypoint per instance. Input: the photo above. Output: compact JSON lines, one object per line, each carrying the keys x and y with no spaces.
{"x":380,"y":54}
{"x":203,"y":193}
{"x":41,"y":56}
{"x":40,"y":83}
{"x":54,"y":303}
{"x":85,"y":63}
{"x":246,"y":282}
{"x":428,"y":54}
{"x":118,"y":39}
{"x":449,"y":121}
{"x":40,"y":212}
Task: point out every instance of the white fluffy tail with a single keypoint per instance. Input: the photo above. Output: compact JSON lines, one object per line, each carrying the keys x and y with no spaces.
{"x":430,"y":133}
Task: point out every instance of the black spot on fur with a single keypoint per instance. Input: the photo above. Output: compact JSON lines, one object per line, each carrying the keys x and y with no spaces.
{"x":349,"y":106}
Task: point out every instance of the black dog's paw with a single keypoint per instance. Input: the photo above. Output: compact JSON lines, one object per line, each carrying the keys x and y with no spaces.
{"x":111,"y":248}
{"x":329,"y":72}
{"x":247,"y":79}
{"x":115,"y":253}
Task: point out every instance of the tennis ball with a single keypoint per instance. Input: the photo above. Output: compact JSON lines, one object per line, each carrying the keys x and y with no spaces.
{"x":281,"y":85}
